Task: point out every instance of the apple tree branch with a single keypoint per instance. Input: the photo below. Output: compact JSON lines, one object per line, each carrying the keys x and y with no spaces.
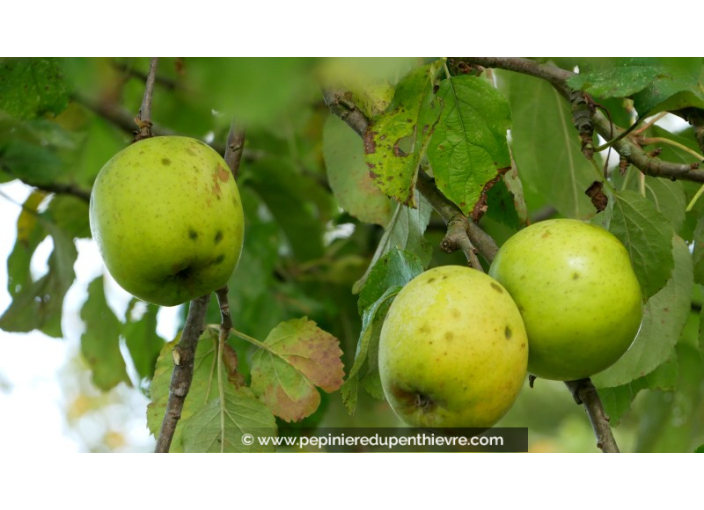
{"x":627,"y":149}
{"x":184,"y":355}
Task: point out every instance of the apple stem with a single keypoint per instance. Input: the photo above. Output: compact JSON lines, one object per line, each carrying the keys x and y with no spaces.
{"x":144,"y":119}
{"x":182,"y":376}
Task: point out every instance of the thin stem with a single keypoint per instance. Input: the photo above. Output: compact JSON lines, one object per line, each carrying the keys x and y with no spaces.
{"x":657,"y":139}
{"x":184,"y":355}
{"x":224,"y":333}
{"x":585,"y":393}
{"x":144,"y":119}
{"x":649,"y":124}
{"x":696,"y":197}
{"x":234,"y":148}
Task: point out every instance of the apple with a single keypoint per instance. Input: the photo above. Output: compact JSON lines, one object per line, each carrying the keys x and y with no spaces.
{"x":578,"y":295}
{"x":453,"y":350}
{"x":167,"y":217}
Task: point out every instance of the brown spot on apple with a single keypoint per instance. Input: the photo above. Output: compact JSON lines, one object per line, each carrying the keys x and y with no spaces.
{"x":223,"y":173}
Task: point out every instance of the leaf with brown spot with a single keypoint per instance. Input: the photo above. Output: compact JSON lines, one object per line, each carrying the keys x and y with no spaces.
{"x":396,"y":140}
{"x":350,"y":178}
{"x":296,"y":357}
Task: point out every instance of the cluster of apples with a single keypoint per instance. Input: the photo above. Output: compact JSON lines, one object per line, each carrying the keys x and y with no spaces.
{"x":562,"y":300}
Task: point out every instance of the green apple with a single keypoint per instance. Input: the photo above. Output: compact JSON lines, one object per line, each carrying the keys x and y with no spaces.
{"x":167,"y":217}
{"x":579,"y":297}
{"x":453,"y":350}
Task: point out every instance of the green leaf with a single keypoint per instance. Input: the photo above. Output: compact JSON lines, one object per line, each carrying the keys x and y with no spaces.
{"x":102,"y":141}
{"x":30,"y":232}
{"x":367,"y":349}
{"x":238,"y":414}
{"x":698,"y":252}
{"x":396,"y":140}
{"x":629,"y":77}
{"x":404,"y":232}
{"x":258,"y":91}
{"x":30,"y":87}
{"x":677,"y":86}
{"x":701,"y":332}
{"x":664,"y":317}
{"x":296,"y":357}
{"x":349,"y":176}
{"x":647,"y":235}
{"x":142,"y":340}
{"x":287,"y":195}
{"x":656,"y":84}
{"x":546,"y":146}
{"x":669,"y":199}
{"x":386,"y":278}
{"x":501,"y":206}
{"x":100,"y":343}
{"x":468,"y":147}
{"x":395,"y":268}
{"x":70,"y":214}
{"x":245,"y":409}
{"x":252,"y":282}
{"x":617,"y":400}
{"x":38,"y":305}
{"x":699,"y":449}
{"x":29,"y":162}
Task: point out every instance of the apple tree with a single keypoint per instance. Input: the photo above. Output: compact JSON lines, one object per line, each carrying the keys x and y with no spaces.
{"x":356,"y":176}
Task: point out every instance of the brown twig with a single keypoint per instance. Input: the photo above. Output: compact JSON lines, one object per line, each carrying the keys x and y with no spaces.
{"x":344,"y":108}
{"x":117,"y":115}
{"x":454,"y":218}
{"x":184,"y":355}
{"x":585,"y":393}
{"x":144,"y":119}
{"x":234,"y":148}
{"x":61,"y":189}
{"x":163,"y":81}
{"x":121,"y":118}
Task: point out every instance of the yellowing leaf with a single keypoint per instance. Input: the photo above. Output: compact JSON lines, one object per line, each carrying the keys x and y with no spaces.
{"x":296,"y":357}
{"x":396,"y":140}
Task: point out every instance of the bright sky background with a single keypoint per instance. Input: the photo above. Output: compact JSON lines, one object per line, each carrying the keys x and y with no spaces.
{"x":38,"y":376}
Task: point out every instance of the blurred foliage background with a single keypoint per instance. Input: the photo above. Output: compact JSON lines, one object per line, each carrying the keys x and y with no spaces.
{"x":308,"y":238}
